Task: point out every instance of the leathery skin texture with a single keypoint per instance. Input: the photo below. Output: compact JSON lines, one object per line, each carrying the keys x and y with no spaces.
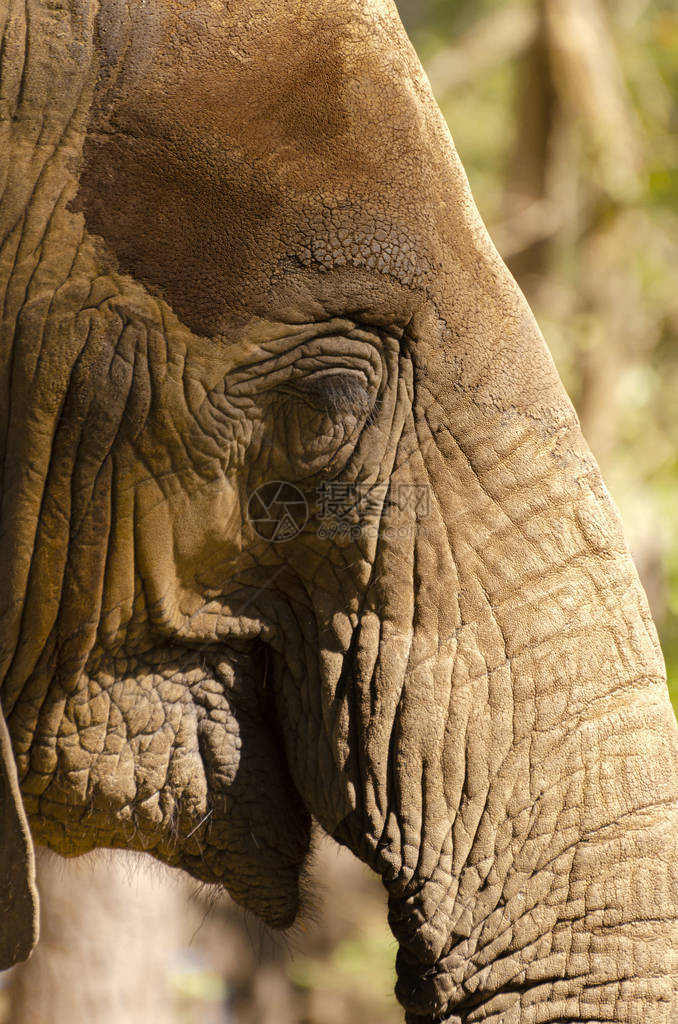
{"x":237,"y":247}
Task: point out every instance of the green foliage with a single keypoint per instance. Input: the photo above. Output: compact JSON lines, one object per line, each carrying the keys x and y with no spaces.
{"x":363,"y":962}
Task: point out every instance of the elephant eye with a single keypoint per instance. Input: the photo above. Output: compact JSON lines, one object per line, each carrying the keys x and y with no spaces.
{"x":335,"y":393}
{"x":317,"y":416}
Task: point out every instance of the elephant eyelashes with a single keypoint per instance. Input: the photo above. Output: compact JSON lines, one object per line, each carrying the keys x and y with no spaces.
{"x":316,"y":420}
{"x":333,"y":393}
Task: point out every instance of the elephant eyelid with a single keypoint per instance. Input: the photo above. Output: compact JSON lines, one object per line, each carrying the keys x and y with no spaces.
{"x":333,"y":391}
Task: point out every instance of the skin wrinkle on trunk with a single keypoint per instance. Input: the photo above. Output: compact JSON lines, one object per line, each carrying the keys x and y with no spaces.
{"x":246,"y":252}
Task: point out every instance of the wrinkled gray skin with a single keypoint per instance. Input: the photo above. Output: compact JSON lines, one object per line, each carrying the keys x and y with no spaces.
{"x":237,"y":246}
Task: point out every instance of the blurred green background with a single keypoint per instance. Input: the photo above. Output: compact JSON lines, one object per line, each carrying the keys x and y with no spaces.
{"x":565,"y":115}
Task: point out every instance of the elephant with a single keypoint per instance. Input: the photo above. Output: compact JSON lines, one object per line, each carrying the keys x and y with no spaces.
{"x":299,"y":530}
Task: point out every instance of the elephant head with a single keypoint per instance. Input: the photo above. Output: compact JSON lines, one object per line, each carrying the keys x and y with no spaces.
{"x":297,"y":520}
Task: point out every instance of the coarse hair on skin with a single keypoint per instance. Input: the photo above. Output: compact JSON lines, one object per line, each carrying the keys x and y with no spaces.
{"x":213,"y":899}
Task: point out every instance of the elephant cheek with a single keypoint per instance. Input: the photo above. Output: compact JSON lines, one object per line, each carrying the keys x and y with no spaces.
{"x":178,"y":761}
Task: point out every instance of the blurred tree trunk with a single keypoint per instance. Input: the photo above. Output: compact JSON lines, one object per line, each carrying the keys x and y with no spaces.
{"x":575,"y":168}
{"x":107,"y":944}
{"x":124,"y":941}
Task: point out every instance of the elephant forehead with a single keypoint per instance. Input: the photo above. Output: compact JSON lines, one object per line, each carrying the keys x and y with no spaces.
{"x":223,"y":152}
{"x":291,"y":82}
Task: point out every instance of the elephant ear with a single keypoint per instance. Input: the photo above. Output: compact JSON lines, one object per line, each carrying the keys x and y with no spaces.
{"x":18,"y":893}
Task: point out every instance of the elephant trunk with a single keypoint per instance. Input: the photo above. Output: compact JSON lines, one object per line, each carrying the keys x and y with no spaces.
{"x":504,"y":746}
{"x":548,"y":808}
{"x":522,"y":784}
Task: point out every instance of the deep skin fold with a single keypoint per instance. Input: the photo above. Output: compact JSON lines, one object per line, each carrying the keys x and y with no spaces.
{"x":200,"y":204}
